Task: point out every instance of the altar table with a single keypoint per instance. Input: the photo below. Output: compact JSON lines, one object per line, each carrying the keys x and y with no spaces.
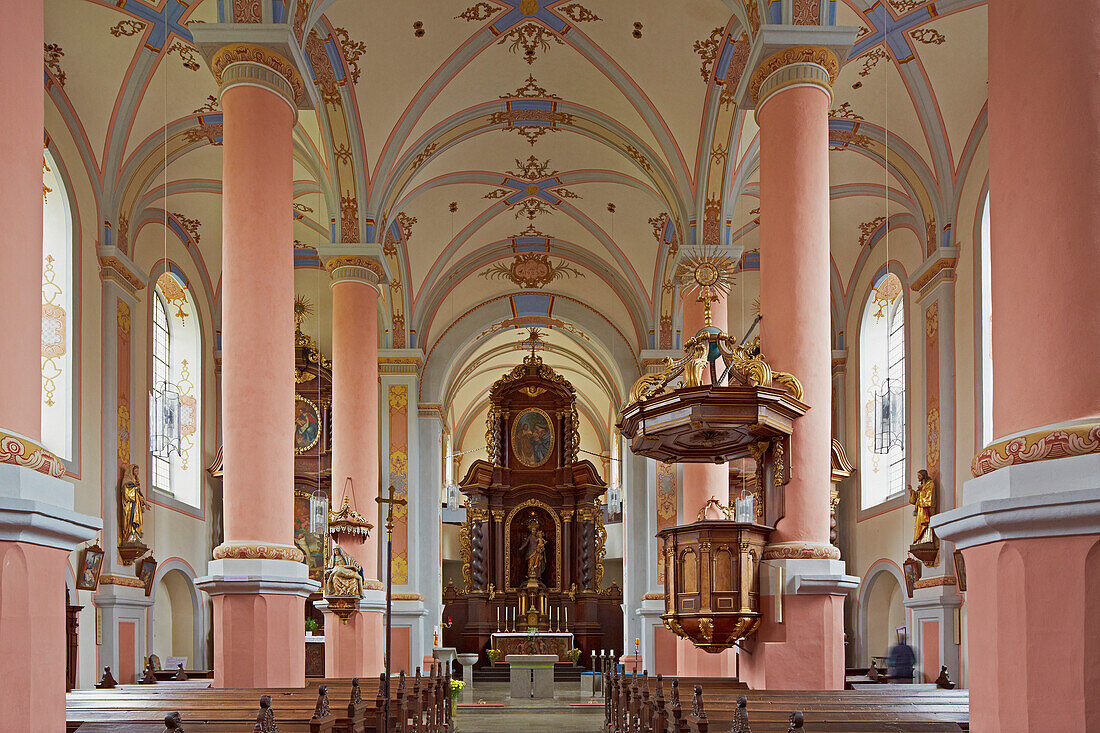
{"x":545,"y":642}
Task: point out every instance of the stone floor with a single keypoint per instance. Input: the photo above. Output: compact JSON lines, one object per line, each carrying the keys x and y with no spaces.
{"x":488,"y":709}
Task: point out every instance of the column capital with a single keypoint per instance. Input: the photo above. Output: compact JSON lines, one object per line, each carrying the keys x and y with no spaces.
{"x":840,"y":361}
{"x":786,"y":55}
{"x":117,"y":268}
{"x":256,"y":54}
{"x":400,"y":361}
{"x":939,"y":268}
{"x":362,"y":263}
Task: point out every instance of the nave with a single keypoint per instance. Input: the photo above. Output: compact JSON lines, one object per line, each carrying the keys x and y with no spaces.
{"x":552,"y":347}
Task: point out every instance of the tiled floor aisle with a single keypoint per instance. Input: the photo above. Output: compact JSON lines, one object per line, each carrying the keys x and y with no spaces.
{"x":529,"y":716}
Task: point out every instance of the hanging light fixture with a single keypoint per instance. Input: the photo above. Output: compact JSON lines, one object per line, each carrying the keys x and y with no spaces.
{"x":889,"y":416}
{"x":346,"y":525}
{"x":164,"y":420}
{"x":454,"y":497}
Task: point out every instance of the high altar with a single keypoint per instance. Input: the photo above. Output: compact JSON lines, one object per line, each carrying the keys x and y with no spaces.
{"x":533,"y":540}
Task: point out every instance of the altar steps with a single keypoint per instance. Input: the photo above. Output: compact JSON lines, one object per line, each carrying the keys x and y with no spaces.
{"x":563,"y":672}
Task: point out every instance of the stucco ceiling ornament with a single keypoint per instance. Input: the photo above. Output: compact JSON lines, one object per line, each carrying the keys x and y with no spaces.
{"x":531,"y":270}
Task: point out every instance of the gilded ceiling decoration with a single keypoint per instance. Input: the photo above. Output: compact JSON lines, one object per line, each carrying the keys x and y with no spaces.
{"x":52,"y":54}
{"x":531,"y":270}
{"x":707,"y":49}
{"x":532,"y":170}
{"x":868,"y":228}
{"x":531,"y":124}
{"x":530,"y":90}
{"x":531,"y":37}
{"x":210,"y":106}
{"x":479,"y":12}
{"x":128,"y":27}
{"x":191,"y":226}
{"x":531,"y":208}
{"x":845,"y":112}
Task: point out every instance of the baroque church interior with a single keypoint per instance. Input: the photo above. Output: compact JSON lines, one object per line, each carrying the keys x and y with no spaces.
{"x":584,"y":364}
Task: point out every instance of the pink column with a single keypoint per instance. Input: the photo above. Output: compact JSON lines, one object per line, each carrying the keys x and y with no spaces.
{"x":21,"y":33}
{"x":701,"y":482}
{"x":33,"y":547}
{"x":355,"y":648}
{"x":1033,"y":597}
{"x":257,"y":581}
{"x":1045,"y":296}
{"x":806,"y":649}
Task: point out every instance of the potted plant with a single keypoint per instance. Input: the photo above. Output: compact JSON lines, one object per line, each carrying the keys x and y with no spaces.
{"x":574,"y":654}
{"x":312,"y":627}
{"x":456,"y":688}
{"x":493,"y":655}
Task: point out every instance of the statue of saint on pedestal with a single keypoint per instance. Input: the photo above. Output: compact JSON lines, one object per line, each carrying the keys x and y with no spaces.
{"x":133,"y":505}
{"x":343,"y":576}
{"x":924,"y":501}
{"x":535,"y":547}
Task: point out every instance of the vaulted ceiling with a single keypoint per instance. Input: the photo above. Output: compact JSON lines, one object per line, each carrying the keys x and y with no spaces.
{"x":522,"y":163}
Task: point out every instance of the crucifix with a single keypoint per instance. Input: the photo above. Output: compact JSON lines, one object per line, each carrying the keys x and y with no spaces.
{"x":391,"y":501}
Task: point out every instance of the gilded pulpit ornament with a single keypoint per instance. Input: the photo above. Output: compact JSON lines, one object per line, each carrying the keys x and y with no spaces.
{"x":343,"y":584}
{"x":132,"y":506}
{"x":925,"y":501}
{"x":721,"y":401}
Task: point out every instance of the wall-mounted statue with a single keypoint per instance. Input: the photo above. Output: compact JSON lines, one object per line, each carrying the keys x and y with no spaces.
{"x":343,"y":576}
{"x":132,"y":505}
{"x":924,"y":501}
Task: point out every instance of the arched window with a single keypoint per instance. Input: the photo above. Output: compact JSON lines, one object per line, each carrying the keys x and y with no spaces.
{"x":175,"y":460}
{"x":159,"y":466}
{"x":882,"y":389}
{"x":986,"y":330}
{"x":57,"y":313}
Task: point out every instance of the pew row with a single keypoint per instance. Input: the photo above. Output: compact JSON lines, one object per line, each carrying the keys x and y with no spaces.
{"x":421,"y":705}
{"x":640,"y":704}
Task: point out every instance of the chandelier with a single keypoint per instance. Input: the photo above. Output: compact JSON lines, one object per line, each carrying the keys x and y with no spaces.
{"x":889,"y":416}
{"x":164,"y":420}
{"x":346,"y":525}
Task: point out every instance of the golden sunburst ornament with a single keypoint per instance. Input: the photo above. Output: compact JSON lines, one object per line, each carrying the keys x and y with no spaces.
{"x":709,"y":272}
{"x":303,"y":309}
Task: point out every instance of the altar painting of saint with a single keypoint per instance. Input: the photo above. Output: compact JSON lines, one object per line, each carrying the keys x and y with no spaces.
{"x":532,"y":437}
{"x":312,"y":544}
{"x":307,"y":425}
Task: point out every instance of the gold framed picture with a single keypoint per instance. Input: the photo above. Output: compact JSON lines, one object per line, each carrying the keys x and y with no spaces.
{"x":307,"y":424}
{"x":146,"y":572}
{"x":532,"y":437}
{"x":91,"y":565}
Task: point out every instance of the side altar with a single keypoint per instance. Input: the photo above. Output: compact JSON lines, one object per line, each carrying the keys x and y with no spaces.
{"x":533,"y":540}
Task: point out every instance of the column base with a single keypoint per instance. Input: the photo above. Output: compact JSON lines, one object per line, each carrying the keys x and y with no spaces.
{"x":934,"y":627}
{"x":259,"y":607}
{"x":356,"y":647}
{"x":38,"y":528}
{"x":123,"y":622}
{"x":804,"y":648}
{"x":1030,"y":537}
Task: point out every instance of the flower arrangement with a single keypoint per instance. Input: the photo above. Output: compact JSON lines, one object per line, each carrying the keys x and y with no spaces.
{"x":574,"y":654}
{"x":456,"y":688}
{"x":493,"y":655}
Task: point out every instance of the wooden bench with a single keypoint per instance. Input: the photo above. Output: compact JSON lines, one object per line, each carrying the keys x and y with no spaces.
{"x":419,"y":705}
{"x":638,"y":704}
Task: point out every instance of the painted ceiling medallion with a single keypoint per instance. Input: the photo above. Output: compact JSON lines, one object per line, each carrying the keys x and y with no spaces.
{"x":531,"y":270}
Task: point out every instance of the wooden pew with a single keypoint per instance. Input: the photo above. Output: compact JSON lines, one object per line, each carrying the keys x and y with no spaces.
{"x":422,"y":709}
{"x":637,"y":704}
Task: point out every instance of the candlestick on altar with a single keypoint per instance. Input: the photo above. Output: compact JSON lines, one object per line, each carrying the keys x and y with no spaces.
{"x":498,"y":619}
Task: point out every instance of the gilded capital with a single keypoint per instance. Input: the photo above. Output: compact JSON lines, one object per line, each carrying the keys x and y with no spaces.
{"x":247,"y":63}
{"x":797,"y":65}
{"x":355,"y":269}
